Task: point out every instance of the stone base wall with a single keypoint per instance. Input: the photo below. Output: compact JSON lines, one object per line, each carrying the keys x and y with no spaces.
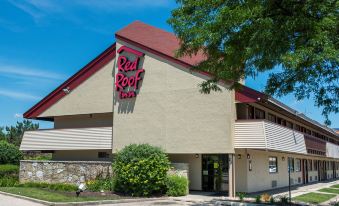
{"x":71,"y":172}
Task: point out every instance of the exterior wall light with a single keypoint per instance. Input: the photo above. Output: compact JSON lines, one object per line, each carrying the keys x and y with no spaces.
{"x":196,"y":155}
{"x":239,"y":156}
{"x":283,"y":158}
{"x":248,"y":156}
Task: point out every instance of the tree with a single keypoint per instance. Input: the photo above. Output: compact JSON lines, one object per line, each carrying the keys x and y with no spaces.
{"x":243,"y":38}
{"x":13,"y":134}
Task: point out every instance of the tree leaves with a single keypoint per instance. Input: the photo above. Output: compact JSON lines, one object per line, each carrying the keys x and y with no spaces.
{"x":243,"y":38}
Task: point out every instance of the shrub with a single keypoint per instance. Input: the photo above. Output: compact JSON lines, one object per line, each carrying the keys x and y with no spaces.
{"x":272,"y":200}
{"x":241,"y":195}
{"x":141,"y":170}
{"x":105,"y":184}
{"x":9,"y":153}
{"x":9,"y":170}
{"x":265,"y":197}
{"x":176,"y":185}
{"x":258,"y":199}
{"x":53,"y":186}
{"x":8,"y":181}
{"x":284,"y":200}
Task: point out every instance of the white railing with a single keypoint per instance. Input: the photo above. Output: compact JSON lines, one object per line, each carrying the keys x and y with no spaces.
{"x":262,"y":134}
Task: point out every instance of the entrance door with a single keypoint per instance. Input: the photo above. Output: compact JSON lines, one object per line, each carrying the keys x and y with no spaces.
{"x":215,"y":172}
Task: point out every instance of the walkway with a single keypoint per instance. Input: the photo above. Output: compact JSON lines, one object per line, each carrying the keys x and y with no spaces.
{"x":6,"y":200}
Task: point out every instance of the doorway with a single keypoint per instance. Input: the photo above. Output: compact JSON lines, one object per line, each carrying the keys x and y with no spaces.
{"x":305,"y":171}
{"x":215,"y":172}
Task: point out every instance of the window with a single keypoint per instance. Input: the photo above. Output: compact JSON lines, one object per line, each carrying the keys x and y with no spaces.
{"x":273,"y":164}
{"x":291,"y":164}
{"x":259,"y":114}
{"x":297,"y":165}
{"x":298,"y":128}
{"x":103,"y":155}
{"x":310,"y":166}
{"x":289,"y":124}
{"x":272,"y":117}
{"x":250,"y":112}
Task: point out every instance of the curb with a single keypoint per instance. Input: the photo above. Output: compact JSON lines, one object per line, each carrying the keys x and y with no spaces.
{"x":99,"y":202}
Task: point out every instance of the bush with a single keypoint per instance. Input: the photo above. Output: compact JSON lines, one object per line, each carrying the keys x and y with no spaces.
{"x":53,"y":186}
{"x":176,"y":185}
{"x":241,"y":196}
{"x":258,"y":199}
{"x":8,"y":181}
{"x":9,"y":170}
{"x":105,"y":184}
{"x":265,"y":197}
{"x":141,"y":170}
{"x":9,"y":153}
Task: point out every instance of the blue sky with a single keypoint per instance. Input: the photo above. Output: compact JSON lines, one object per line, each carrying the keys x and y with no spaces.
{"x":43,"y":42}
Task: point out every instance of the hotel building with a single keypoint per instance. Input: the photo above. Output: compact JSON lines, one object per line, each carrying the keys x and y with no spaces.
{"x":138,"y":91}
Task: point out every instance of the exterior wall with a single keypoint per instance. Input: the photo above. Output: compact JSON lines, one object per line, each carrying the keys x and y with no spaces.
{"x":169,"y":111}
{"x":259,"y":179}
{"x":92,"y":96}
{"x":87,"y":120}
{"x":194,"y":165}
{"x":62,"y":171}
{"x":80,"y":155}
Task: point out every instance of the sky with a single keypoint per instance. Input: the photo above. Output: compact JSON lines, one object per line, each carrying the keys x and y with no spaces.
{"x":43,"y":42}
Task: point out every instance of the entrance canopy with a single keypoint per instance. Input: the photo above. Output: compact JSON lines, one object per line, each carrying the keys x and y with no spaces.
{"x":68,"y":139}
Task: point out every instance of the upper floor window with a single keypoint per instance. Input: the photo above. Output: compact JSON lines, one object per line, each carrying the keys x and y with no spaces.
{"x":259,"y":114}
{"x":289,"y":124}
{"x":250,"y":112}
{"x":272,"y":117}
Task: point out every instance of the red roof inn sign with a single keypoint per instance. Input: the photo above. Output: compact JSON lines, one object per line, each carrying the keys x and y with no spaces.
{"x":129,"y":75}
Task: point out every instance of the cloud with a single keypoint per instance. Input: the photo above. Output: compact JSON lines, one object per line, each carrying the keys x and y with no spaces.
{"x":18,"y":71}
{"x":18,"y":95}
{"x":18,"y":115}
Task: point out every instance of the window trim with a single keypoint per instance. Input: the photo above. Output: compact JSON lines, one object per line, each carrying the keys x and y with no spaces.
{"x":276,"y":164}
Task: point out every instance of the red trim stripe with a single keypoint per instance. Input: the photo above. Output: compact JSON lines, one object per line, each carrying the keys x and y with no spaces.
{"x":74,"y":81}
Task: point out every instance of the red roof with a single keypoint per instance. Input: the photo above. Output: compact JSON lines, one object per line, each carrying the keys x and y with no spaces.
{"x":156,"y":40}
{"x":248,"y":95}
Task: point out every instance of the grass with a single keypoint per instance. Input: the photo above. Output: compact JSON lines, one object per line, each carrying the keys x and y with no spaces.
{"x":335,"y":186}
{"x":8,"y":169}
{"x":329,"y":190}
{"x":314,"y":198}
{"x":53,"y":196}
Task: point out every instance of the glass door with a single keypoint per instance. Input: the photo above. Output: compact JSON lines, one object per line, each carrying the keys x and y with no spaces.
{"x":215,"y":172}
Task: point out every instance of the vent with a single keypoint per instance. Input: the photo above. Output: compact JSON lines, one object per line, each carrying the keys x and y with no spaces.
{"x":274,"y":183}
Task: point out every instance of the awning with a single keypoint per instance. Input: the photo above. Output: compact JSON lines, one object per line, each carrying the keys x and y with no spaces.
{"x":68,"y":139}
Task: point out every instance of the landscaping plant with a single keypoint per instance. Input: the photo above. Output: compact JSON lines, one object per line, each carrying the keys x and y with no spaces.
{"x":265,"y":197}
{"x":101,"y":184}
{"x":9,"y":153}
{"x":141,"y":170}
{"x":258,"y":199}
{"x":50,"y":186}
{"x":241,"y":195}
{"x":176,"y":185}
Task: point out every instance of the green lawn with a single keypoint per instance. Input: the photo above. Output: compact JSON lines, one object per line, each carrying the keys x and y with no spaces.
{"x":335,"y":186}
{"x":314,"y":198}
{"x":329,"y":190}
{"x":53,"y":196}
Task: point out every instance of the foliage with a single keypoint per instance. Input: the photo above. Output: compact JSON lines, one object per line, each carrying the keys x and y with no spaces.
{"x":38,"y":156}
{"x":52,"y":196}
{"x":9,"y":153}
{"x":241,"y":195}
{"x":295,"y":41}
{"x":265,"y":197}
{"x":314,"y":198}
{"x":9,"y":170}
{"x":13,"y":134}
{"x":176,"y":185}
{"x":258,"y":199}
{"x":105,"y":184}
{"x":8,"y":181}
{"x":272,"y":200}
{"x":141,"y":170}
{"x":284,"y":200}
{"x":50,"y":186}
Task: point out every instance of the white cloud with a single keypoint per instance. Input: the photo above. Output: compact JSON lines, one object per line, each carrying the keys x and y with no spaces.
{"x":18,"y":115}
{"x":18,"y":95}
{"x":18,"y":71}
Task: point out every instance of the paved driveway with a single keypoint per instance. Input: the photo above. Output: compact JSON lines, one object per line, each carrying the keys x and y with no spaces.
{"x":12,"y":201}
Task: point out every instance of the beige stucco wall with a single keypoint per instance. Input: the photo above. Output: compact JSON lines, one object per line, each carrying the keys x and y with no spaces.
{"x":194,"y":164}
{"x":259,"y":179}
{"x":85,"y":120}
{"x":80,"y":155}
{"x":170,"y":112}
{"x":92,"y":96}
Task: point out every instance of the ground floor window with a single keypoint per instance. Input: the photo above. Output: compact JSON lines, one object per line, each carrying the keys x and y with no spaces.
{"x":315,"y":164}
{"x":291,"y":164}
{"x":297,"y":165}
{"x":214,"y":172}
{"x":273,"y":164}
